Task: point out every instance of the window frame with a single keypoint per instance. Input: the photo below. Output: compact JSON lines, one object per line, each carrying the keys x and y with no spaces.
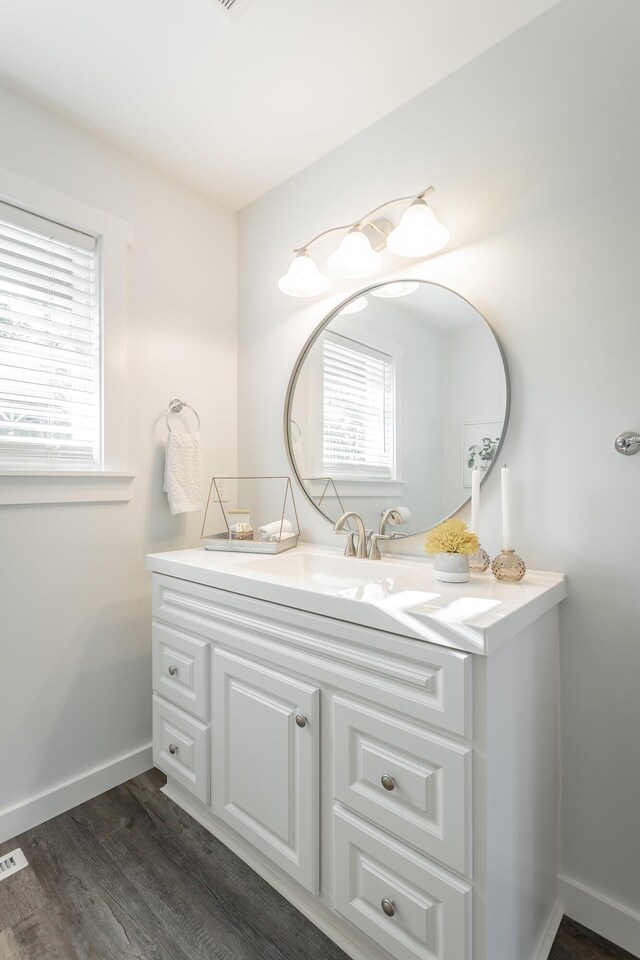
{"x":112,"y":480}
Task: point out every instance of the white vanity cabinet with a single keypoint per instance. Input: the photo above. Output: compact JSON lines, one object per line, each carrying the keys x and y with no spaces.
{"x":400,"y":792}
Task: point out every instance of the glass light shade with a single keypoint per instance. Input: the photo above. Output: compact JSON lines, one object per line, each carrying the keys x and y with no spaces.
{"x":303,"y":279}
{"x":400,"y":289}
{"x":355,"y":306}
{"x":418,"y":233}
{"x":355,"y":257}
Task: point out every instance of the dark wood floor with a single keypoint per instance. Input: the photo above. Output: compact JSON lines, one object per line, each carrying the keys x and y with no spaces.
{"x":129,"y":876}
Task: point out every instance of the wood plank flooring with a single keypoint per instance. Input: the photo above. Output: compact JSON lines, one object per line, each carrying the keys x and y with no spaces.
{"x":129,"y":876}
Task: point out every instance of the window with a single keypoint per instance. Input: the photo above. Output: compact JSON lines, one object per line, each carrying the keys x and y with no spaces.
{"x":50,"y":345}
{"x":358,"y":410}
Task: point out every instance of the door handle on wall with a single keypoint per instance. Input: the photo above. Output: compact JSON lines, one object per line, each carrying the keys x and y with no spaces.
{"x":627,"y":443}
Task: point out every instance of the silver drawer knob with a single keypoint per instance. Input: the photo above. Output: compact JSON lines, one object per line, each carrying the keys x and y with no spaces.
{"x":300,"y":720}
{"x":387,"y":782}
{"x":173,"y":749}
{"x":388,"y":907}
{"x":172,"y":670}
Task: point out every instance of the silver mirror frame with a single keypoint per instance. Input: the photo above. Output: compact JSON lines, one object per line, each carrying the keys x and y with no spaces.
{"x":293,"y":380}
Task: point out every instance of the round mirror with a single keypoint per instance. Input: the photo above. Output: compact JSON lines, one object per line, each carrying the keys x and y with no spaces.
{"x":400,"y":393}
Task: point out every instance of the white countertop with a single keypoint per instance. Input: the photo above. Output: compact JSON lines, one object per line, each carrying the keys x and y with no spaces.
{"x":398,"y":595}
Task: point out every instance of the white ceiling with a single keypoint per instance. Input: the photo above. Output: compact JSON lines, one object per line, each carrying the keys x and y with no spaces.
{"x":234,"y":106}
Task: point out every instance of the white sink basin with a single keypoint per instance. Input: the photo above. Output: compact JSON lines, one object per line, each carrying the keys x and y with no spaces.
{"x":338,"y":574}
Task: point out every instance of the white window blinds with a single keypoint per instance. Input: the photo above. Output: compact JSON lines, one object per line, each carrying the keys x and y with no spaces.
{"x":358,"y":410}
{"x":50,"y":339}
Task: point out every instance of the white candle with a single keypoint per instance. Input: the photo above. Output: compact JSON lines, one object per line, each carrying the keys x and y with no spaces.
{"x":507,"y":532}
{"x":475,"y":500}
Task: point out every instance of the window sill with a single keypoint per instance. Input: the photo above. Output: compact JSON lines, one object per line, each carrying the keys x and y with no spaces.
{"x":351,"y":487}
{"x":65,"y":486}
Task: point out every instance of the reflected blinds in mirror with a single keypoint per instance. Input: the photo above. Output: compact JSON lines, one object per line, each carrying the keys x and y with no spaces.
{"x":49,"y":344}
{"x":358,"y":409}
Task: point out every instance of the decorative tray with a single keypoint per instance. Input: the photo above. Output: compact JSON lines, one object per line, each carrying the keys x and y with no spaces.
{"x":221,"y":541}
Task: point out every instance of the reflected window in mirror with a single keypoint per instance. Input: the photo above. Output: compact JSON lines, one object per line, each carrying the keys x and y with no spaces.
{"x":358,"y":409}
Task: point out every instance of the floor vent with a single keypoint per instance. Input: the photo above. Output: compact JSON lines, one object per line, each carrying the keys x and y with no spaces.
{"x":11,"y":863}
{"x":232,"y":8}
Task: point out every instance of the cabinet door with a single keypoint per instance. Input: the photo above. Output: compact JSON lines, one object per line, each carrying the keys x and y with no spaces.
{"x":265,"y":776}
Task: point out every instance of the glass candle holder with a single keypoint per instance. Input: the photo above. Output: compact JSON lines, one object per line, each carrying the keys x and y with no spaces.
{"x":479,"y":561}
{"x":508,"y":567}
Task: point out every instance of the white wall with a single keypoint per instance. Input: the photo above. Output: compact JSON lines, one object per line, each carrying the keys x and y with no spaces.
{"x":74,"y":599}
{"x":474,"y":391}
{"x":534,"y":151}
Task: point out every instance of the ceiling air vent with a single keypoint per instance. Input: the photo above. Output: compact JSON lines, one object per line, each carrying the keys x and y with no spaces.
{"x":232,"y":9}
{"x":11,"y":863}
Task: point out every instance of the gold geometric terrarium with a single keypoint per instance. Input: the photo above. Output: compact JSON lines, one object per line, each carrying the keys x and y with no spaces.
{"x":250,"y":515}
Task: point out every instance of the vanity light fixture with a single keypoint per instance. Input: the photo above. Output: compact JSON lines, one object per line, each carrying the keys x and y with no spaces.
{"x":303,"y":279}
{"x":355,"y":258}
{"x":400,"y":289}
{"x":417,"y":235}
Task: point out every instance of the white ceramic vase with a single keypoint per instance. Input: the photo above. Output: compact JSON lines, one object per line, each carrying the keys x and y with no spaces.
{"x":451,"y":567}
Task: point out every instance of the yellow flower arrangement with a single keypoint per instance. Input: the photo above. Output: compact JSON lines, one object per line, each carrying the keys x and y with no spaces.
{"x":452,"y":536}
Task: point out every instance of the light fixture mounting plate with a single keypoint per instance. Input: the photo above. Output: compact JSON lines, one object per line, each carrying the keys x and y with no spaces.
{"x":376,"y":232}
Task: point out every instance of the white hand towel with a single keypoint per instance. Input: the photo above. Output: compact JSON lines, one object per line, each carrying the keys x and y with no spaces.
{"x":271,"y":531}
{"x":183,"y":472}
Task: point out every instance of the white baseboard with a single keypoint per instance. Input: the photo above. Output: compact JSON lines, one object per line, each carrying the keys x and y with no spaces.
{"x":549,"y":933}
{"x":35,"y":810}
{"x":599,"y":913}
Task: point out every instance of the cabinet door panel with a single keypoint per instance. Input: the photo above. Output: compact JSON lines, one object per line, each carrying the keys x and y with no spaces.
{"x":265,"y":765}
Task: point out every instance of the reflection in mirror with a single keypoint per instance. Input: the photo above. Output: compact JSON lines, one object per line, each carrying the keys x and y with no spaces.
{"x":393,"y":403}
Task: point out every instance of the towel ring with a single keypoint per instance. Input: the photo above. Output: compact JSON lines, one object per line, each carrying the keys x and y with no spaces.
{"x":177,"y":406}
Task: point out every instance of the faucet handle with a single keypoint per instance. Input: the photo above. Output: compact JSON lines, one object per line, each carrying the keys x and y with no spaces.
{"x":374,"y":549}
{"x":350,"y":546}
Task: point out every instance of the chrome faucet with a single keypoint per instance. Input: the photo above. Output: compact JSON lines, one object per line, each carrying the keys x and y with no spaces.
{"x":388,"y":516}
{"x":351,"y":550}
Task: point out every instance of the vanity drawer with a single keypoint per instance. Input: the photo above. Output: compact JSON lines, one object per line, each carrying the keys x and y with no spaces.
{"x":181,"y":669}
{"x":410,"y":907}
{"x":181,"y":748}
{"x":413,"y":783}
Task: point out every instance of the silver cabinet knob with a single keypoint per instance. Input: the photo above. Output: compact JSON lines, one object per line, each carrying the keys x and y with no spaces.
{"x":172,"y":670}
{"x":300,"y":720}
{"x":388,"y":907}
{"x":173,"y":749}
{"x":387,"y":782}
